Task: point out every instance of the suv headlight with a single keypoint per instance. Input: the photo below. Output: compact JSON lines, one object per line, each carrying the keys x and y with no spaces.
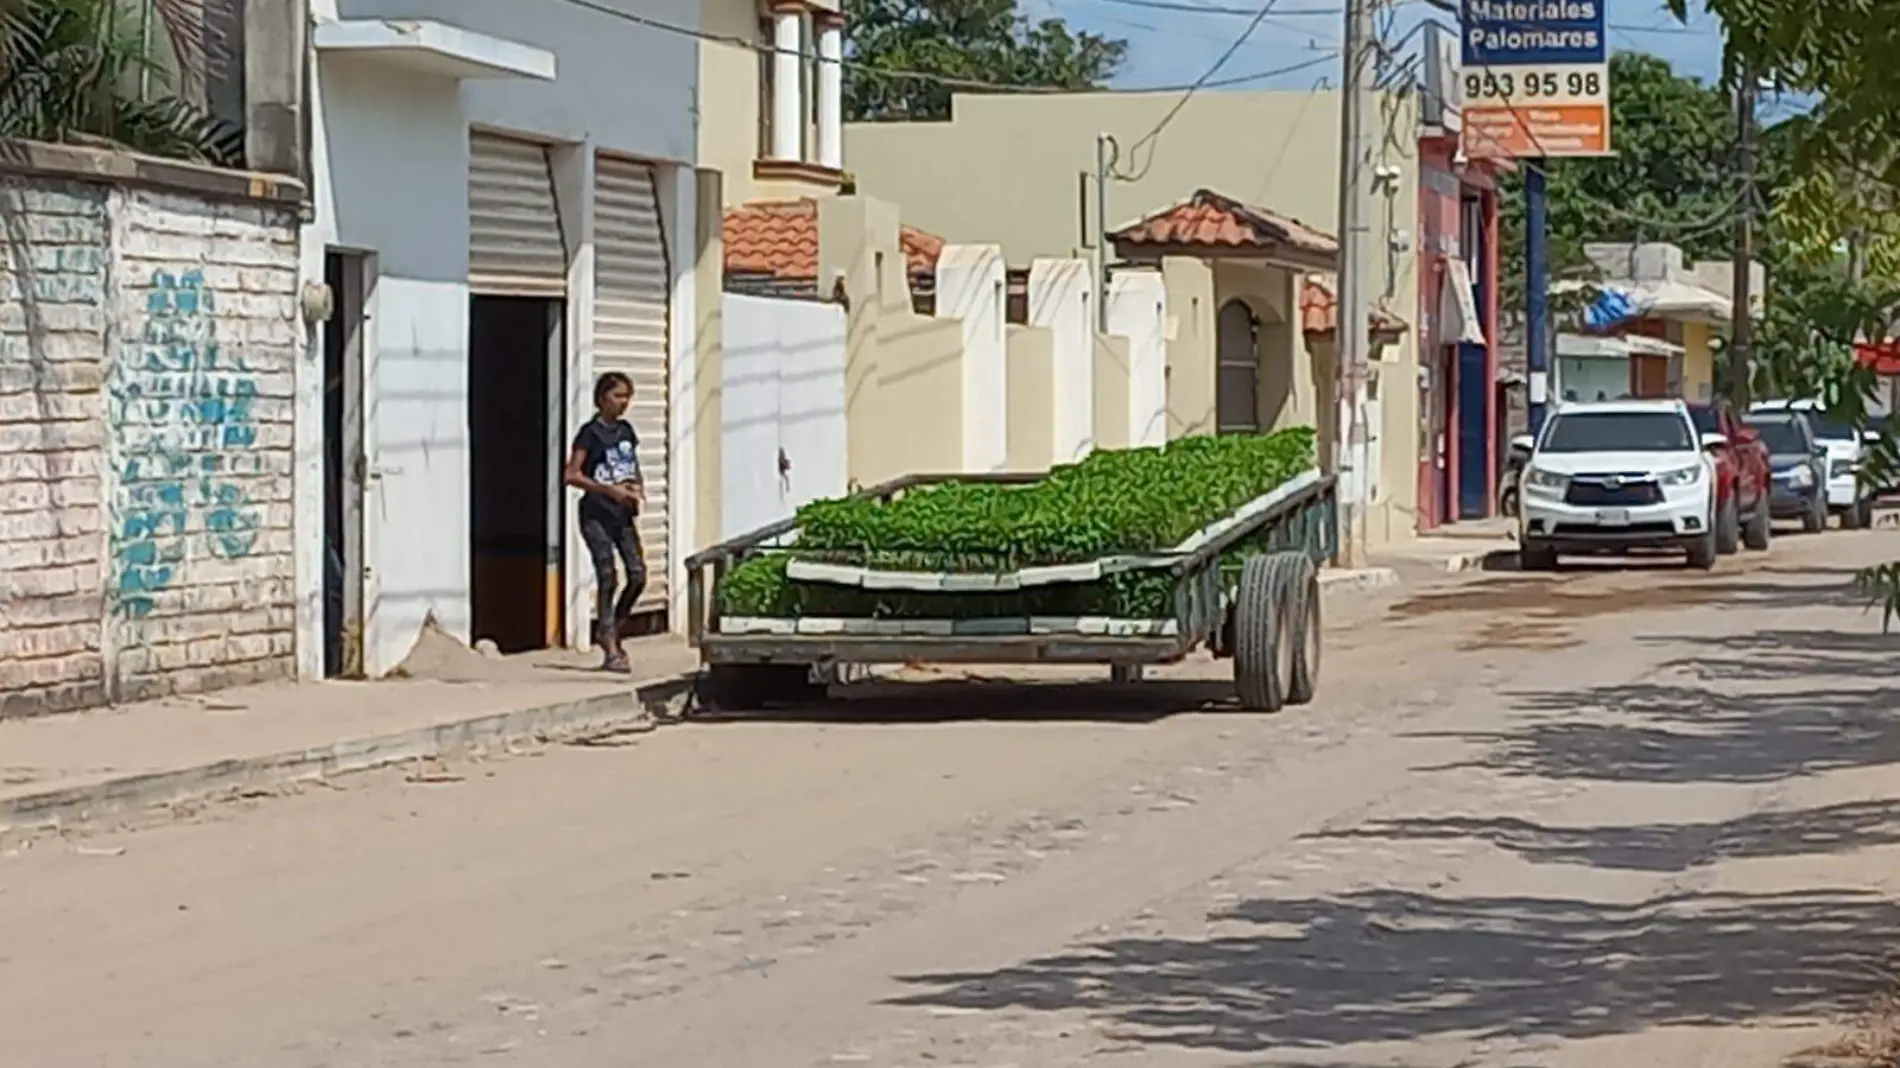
{"x":1681,"y":476}
{"x":1541,"y":479}
{"x":1841,"y":469}
{"x":1801,"y":476}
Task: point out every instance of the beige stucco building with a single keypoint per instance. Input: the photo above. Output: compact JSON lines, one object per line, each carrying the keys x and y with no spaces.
{"x":1010,"y":170}
{"x":770,"y":122}
{"x":779,"y":224}
{"x":1686,"y":305}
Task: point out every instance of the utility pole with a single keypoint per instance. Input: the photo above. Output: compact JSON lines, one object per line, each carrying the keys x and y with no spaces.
{"x":1104,"y":146}
{"x":1351,"y":434}
{"x":1742,"y":323}
{"x":1536,"y":295}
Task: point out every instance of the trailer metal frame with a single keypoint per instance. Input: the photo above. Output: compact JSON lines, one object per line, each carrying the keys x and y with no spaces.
{"x":1305,"y":523}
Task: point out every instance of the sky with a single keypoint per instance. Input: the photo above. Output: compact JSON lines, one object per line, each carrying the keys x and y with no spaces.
{"x":1170,"y":45}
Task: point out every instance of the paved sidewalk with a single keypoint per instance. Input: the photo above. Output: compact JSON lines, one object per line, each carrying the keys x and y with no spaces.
{"x":121,"y":762}
{"x":1454,"y":552}
{"x":116,"y":762}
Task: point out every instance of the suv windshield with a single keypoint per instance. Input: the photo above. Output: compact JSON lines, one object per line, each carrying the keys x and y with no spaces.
{"x":1828,"y":428}
{"x":1618,"y":432}
{"x":1706,"y":420}
{"x":1782,"y":436}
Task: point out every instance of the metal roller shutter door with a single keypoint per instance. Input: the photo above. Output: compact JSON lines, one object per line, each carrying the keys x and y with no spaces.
{"x":514,"y":229}
{"x":631,"y":294}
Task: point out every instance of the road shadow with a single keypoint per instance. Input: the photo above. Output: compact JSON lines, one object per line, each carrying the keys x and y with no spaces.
{"x":1392,"y":966}
{"x":1689,"y":734}
{"x":1572,"y":596}
{"x":1786,"y":655}
{"x":963,"y":700}
{"x":1737,"y":708}
{"x":1659,"y":847}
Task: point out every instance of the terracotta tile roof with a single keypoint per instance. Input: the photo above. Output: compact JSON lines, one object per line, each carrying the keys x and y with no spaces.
{"x":779,"y":239}
{"x":1319,"y":309}
{"x":1210,"y":220}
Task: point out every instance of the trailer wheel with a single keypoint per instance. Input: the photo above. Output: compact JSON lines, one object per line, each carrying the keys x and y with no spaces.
{"x":1303,"y":612}
{"x":751,"y":687}
{"x":1260,"y":635}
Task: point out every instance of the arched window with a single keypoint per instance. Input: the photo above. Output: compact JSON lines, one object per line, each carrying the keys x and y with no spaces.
{"x":1237,"y":374}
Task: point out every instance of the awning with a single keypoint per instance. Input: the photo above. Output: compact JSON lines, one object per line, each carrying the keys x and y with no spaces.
{"x":1594,"y":347}
{"x":424,"y":46}
{"x":1458,"y":306}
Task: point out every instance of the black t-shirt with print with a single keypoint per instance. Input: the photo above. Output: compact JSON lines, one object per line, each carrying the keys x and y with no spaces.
{"x":612,"y":452}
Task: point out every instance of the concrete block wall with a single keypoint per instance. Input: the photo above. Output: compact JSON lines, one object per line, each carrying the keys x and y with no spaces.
{"x":53,"y":267}
{"x":147,"y":342}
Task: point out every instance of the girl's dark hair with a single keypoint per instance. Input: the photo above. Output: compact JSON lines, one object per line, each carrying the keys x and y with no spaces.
{"x":607,"y":381}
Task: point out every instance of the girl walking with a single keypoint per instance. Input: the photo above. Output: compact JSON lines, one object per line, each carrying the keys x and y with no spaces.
{"x":604,"y":465}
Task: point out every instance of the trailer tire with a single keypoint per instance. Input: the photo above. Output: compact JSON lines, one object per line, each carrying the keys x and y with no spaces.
{"x":1303,"y":611}
{"x":1260,"y":635}
{"x":751,"y":687}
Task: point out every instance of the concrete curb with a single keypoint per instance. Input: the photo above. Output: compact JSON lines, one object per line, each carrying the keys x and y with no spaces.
{"x":1364,"y":578}
{"x":1485,"y":560}
{"x":576,"y":720}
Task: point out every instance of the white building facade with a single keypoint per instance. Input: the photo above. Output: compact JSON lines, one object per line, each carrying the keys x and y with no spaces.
{"x":504,"y":206}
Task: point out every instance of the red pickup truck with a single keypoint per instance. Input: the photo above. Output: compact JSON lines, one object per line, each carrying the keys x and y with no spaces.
{"x":1743,"y":479}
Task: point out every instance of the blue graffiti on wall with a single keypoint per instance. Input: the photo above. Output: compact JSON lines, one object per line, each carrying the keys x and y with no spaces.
{"x":184,"y":430}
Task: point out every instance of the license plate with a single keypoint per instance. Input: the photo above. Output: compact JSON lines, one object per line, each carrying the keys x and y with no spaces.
{"x":1613,"y":517}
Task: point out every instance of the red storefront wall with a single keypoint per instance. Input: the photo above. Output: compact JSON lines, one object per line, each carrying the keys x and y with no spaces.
{"x":1444,"y":186}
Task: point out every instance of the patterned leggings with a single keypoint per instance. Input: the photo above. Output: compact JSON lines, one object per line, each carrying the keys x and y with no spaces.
{"x":605,"y":541}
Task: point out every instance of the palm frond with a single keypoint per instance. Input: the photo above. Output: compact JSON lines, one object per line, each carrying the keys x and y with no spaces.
{"x":77,"y":76}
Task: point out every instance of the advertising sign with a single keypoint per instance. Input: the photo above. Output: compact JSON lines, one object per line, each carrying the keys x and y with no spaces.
{"x":1535,"y":78}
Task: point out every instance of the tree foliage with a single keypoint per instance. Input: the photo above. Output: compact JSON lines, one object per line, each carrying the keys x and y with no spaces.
{"x":990,"y":42}
{"x":1833,"y":216}
{"x":1833,"y":251}
{"x":1840,"y":50}
{"x":71,"y":71}
{"x":1670,"y":180}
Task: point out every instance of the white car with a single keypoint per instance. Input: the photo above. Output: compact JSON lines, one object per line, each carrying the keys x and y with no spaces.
{"x":1616,"y":476}
{"x":1846,"y":452}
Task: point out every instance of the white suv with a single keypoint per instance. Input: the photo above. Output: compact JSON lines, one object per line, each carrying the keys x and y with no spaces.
{"x":1846,"y":452}
{"x":1617,"y":476}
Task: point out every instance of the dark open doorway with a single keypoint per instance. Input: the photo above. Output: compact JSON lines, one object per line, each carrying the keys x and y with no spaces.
{"x":515,"y":528}
{"x":345,"y":469}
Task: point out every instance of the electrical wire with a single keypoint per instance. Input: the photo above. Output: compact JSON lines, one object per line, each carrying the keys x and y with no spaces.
{"x":1149,"y":139}
{"x":906,"y":74}
{"x":1191,"y":8}
{"x":1209,"y":9}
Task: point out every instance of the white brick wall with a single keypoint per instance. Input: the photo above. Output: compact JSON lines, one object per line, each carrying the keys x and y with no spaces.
{"x":146,"y":352}
{"x":53,"y":270}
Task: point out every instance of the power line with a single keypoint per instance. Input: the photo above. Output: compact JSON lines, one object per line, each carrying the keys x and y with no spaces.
{"x":1207,"y":9}
{"x":906,"y":74}
{"x":1148,"y":139}
{"x":1191,"y":8}
{"x":1310,"y":33}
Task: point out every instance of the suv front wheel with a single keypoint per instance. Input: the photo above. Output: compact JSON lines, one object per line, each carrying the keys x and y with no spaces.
{"x":1728,"y":527}
{"x":1702,"y":552}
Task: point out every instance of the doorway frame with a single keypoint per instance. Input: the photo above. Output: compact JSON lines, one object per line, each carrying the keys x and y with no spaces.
{"x":554,"y":621}
{"x":352,"y":303}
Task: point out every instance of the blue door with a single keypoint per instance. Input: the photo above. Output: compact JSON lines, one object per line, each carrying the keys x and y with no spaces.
{"x":1474,"y":444}
{"x":1475,"y":461}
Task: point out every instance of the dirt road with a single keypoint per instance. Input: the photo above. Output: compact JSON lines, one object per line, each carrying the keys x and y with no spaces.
{"x":1602,"y":818}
